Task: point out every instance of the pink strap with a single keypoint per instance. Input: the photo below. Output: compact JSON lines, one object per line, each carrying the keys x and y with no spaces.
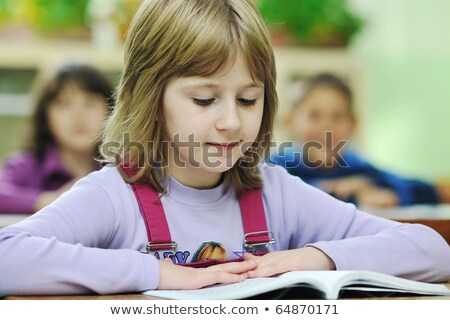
{"x":151,"y":208}
{"x":158,"y":233}
{"x":253,"y":216}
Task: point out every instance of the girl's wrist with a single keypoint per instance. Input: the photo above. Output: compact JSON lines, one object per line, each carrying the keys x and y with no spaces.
{"x":324,"y":262}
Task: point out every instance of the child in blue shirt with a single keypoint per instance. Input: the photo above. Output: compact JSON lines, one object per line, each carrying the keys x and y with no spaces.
{"x":323,"y":120}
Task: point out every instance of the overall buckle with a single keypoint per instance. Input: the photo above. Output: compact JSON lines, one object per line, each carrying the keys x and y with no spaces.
{"x":250,"y":246}
{"x":153,"y":246}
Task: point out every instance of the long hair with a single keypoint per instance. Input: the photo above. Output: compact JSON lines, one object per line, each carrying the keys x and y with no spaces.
{"x":183,"y":38}
{"x":49,"y":86}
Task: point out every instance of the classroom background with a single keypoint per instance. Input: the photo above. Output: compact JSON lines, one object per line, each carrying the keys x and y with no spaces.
{"x":394,"y":53}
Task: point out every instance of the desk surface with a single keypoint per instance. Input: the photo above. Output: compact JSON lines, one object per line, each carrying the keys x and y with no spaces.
{"x":437,"y":217}
{"x":144,"y":297}
{"x":7,"y":219}
{"x":416,"y":212}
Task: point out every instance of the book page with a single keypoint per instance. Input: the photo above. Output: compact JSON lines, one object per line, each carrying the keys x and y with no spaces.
{"x":330,"y":283}
{"x":240,"y":290}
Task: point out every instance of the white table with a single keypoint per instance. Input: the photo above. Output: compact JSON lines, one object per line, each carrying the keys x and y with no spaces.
{"x":7,"y":219}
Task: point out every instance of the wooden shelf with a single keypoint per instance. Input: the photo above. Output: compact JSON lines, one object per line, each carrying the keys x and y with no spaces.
{"x":42,"y":53}
{"x":15,"y":104}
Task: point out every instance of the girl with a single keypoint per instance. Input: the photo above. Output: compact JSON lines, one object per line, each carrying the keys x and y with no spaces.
{"x":195,"y":105}
{"x":70,"y":110}
{"x":326,"y":105}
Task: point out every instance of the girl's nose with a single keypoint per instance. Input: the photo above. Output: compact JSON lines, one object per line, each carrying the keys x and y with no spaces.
{"x":78,"y":110}
{"x":229,"y":117}
{"x":327,"y":124}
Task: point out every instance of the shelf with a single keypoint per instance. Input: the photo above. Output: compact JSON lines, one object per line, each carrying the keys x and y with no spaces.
{"x":43,"y":53}
{"x":15,"y":104}
{"x":30,"y":57}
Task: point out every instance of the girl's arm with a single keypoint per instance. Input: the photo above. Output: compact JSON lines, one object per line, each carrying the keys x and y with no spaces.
{"x":408,"y":191}
{"x":71,"y":247}
{"x":354,"y":240}
{"x":88,"y":241}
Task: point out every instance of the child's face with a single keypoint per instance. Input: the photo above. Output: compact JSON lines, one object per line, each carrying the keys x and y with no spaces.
{"x":76,"y":118}
{"x":222,"y":114}
{"x":323,"y":109}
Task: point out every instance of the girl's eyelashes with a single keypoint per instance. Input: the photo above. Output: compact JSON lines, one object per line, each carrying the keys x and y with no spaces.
{"x":246,"y":102}
{"x":241,"y":101}
{"x":203,"y":102}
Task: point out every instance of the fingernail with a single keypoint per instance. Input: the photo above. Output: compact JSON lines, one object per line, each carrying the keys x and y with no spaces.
{"x":252,"y":262}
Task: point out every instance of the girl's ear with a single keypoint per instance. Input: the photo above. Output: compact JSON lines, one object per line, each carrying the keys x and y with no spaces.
{"x":353,"y":124}
{"x":288,"y":120}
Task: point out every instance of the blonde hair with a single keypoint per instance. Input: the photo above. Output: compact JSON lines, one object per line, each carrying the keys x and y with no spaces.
{"x":182,"y":38}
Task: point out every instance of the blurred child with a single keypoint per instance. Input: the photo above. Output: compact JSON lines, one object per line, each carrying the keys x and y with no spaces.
{"x":70,"y":110}
{"x":321,"y":159}
{"x":194,"y":109}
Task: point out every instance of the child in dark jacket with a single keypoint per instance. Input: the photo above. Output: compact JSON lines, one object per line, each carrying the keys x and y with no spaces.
{"x":322,"y":121}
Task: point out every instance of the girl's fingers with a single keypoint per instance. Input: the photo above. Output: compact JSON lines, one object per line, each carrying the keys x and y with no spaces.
{"x":248,"y":257}
{"x":234,"y":267}
{"x":208,"y":277}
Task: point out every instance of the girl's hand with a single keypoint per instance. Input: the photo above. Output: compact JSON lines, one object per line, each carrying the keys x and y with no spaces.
{"x":377,"y":197}
{"x":173,"y":276}
{"x":344,"y":188}
{"x":47,"y":197}
{"x":308,"y":258}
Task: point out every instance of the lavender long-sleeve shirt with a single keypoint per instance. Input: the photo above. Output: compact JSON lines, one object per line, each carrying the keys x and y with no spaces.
{"x":91,"y":238}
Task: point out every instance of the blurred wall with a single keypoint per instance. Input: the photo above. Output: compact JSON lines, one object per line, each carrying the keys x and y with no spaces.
{"x":405,"y":52}
{"x":12,"y":133}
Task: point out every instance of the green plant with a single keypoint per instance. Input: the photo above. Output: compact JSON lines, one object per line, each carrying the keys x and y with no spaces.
{"x":5,"y":10}
{"x":60,"y":14}
{"x":312,"y":22}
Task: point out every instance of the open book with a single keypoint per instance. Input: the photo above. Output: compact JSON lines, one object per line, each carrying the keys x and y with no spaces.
{"x":330,"y":285}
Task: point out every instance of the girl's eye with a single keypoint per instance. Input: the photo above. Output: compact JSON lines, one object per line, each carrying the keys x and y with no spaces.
{"x":203,"y":102}
{"x":63,"y":105}
{"x":247,"y":102}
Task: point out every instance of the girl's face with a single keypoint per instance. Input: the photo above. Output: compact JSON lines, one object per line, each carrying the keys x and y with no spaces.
{"x":76,"y":118}
{"x":324,"y":109}
{"x":211,"y":122}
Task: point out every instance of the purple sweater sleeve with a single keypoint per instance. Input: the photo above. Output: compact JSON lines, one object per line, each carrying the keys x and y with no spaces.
{"x":355,"y":240}
{"x":71,"y":247}
{"x":15,"y":195}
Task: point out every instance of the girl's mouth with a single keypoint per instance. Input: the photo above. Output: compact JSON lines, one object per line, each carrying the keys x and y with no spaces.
{"x":224,"y":146}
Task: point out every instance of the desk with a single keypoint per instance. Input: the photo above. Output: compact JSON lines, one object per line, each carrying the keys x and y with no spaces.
{"x":7,"y":219}
{"x":436,"y":217}
{"x":144,"y":297}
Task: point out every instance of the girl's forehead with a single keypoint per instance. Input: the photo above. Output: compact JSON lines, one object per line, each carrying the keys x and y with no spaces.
{"x":235,"y":66}
{"x":218,"y":66}
{"x":72,"y":87}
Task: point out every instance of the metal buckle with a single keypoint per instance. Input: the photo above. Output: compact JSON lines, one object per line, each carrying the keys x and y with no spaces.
{"x":250,"y":247}
{"x":151,"y":245}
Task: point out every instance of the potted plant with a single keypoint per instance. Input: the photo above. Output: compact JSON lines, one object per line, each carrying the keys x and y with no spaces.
{"x":64,"y":18}
{"x":323,"y":23}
